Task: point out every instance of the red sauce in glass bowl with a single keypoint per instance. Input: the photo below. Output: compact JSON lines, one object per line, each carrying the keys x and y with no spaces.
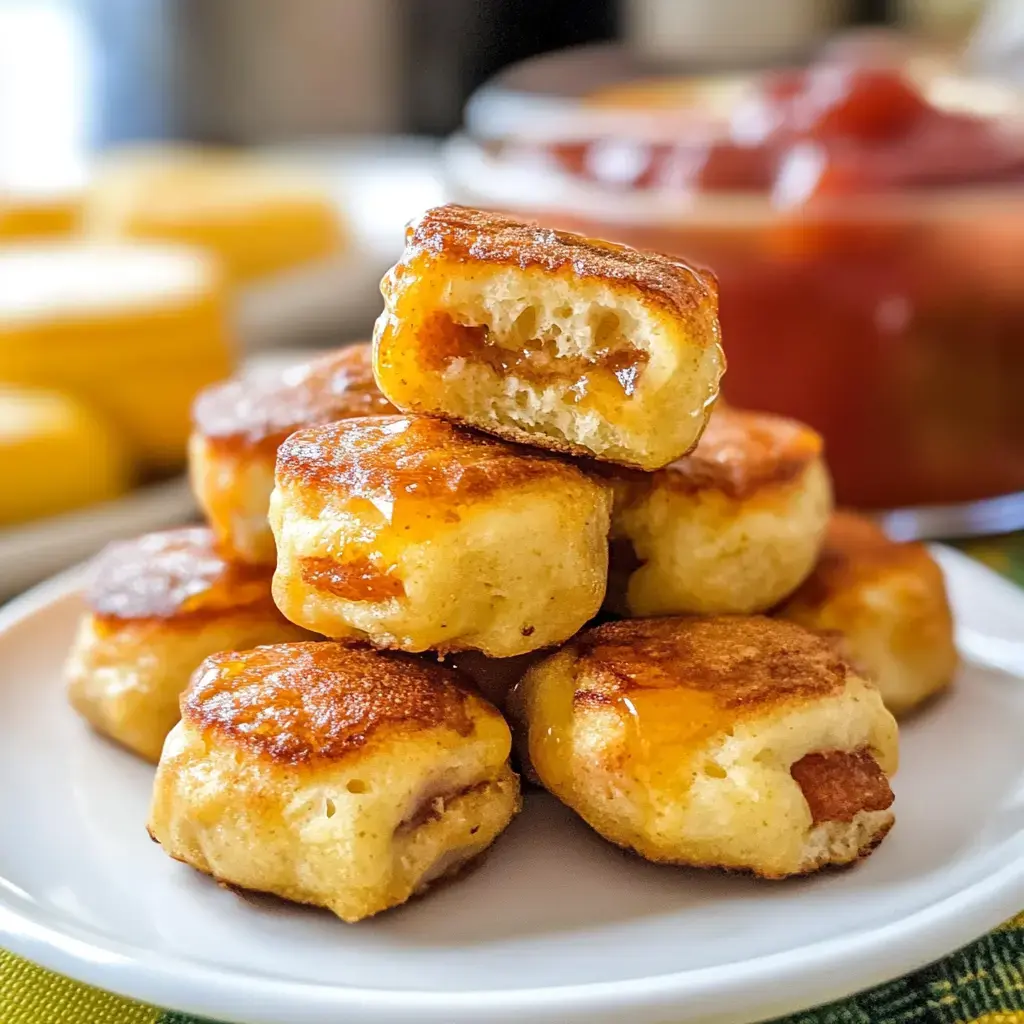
{"x":828,"y":131}
{"x":872,"y":282}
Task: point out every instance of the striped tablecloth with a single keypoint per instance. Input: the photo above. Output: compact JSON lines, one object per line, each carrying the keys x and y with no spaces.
{"x":984,"y":982}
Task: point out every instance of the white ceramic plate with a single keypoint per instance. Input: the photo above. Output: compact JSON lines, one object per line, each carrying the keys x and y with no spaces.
{"x":555,"y":925}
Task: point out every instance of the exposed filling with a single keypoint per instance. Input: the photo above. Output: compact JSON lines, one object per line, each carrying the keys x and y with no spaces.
{"x":615,"y":364}
{"x":432,"y":805}
{"x":838,"y":784}
{"x":356,"y":579}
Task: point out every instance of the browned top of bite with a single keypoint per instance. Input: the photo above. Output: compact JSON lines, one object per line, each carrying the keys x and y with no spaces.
{"x":742,"y":452}
{"x":414,"y":456}
{"x":296,"y":703}
{"x":468,"y":235}
{"x":173,"y":575}
{"x":742,"y":664}
{"x":857,"y":552}
{"x":263,"y":411}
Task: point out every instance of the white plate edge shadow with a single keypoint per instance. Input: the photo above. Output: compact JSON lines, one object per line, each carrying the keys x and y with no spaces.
{"x":762,"y":986}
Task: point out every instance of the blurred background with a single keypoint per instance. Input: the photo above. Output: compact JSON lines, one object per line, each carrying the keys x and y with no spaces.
{"x":195,"y":188}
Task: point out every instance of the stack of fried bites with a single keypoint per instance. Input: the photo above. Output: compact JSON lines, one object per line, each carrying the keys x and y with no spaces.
{"x":532,"y":444}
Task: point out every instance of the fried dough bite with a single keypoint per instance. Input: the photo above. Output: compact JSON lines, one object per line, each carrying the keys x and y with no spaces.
{"x":731,"y":528}
{"x":238,"y":425}
{"x":332,"y":775}
{"x":156,"y":607}
{"x":729,"y":742}
{"x":415,"y":534}
{"x":888,"y":603}
{"x":550,"y":338}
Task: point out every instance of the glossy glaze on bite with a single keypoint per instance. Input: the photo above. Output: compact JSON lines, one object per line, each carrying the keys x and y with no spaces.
{"x":412,"y":457}
{"x":304,"y":702}
{"x":714,"y":742}
{"x":238,"y":426}
{"x":413,"y":534}
{"x":742,"y":664}
{"x":677,"y":683}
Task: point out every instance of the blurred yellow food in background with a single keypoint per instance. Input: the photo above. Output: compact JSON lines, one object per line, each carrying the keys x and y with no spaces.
{"x":37,"y":216}
{"x":258,"y":220}
{"x":131,"y":329}
{"x":56,"y":454}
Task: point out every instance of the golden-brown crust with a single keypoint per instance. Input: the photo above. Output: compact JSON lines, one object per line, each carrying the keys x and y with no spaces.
{"x":463,"y":234}
{"x":173,"y":576}
{"x":262,"y":412}
{"x":753,"y":872}
{"x":458,"y":871}
{"x":519,"y":436}
{"x":744,"y":664}
{"x":303,"y":702}
{"x":839,"y":784}
{"x":739,"y":454}
{"x":855,"y":552}
{"x":411,"y":456}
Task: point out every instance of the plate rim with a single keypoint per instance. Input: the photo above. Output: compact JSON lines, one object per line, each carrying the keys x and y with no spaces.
{"x":781,"y":982}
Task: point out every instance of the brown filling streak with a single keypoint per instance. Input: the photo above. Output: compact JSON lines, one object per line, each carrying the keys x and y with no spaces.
{"x":433,"y":806}
{"x":355,"y":580}
{"x":838,"y":785}
{"x":536,"y":361}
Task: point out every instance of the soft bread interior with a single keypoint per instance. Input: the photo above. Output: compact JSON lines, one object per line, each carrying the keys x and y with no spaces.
{"x":583,"y":362}
{"x":592,"y":356}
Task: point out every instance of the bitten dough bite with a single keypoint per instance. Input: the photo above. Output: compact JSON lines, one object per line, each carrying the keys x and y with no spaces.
{"x":332,"y":775}
{"x":888,"y":603}
{"x":731,"y":528}
{"x":740,"y":743}
{"x":415,"y":534}
{"x":237,"y":427}
{"x":156,"y":607}
{"x":550,"y":338}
